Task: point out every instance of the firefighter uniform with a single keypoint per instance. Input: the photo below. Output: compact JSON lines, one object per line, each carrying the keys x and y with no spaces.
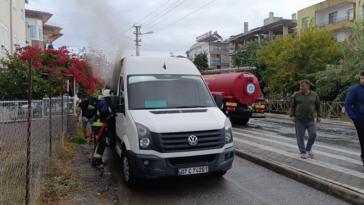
{"x":103,"y":115}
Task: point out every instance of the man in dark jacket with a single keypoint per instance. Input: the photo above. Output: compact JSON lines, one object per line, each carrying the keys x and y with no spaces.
{"x":354,"y":106}
{"x":303,"y":108}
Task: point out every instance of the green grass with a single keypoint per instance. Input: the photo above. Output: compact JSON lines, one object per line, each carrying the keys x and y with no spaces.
{"x":79,"y":139}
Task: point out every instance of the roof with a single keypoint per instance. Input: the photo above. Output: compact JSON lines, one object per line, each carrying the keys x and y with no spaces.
{"x":155,"y":65}
{"x":50,"y":26}
{"x":28,"y":11}
{"x":264,"y":29}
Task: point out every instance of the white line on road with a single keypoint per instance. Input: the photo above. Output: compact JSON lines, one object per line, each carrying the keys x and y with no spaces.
{"x":311,"y":161}
{"x":285,"y":138}
{"x":295,"y":146}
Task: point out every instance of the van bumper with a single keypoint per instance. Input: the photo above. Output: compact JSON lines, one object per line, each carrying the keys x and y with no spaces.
{"x":165,"y":168}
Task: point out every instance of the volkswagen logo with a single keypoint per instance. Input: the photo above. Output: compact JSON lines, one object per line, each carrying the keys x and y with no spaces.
{"x":192,"y":140}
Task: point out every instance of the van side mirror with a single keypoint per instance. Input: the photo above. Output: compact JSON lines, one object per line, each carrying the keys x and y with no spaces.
{"x":114,"y":104}
{"x":218,"y":100}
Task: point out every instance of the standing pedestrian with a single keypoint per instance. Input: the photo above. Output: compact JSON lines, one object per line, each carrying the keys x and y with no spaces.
{"x":50,"y":46}
{"x":354,"y":106}
{"x":102,"y":116}
{"x":304,"y":104}
{"x":82,"y":107}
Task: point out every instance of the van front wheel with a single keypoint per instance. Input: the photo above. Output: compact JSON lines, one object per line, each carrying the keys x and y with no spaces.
{"x":129,"y":179}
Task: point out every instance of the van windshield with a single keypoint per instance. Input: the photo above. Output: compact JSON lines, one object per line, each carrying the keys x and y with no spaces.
{"x":168,"y":91}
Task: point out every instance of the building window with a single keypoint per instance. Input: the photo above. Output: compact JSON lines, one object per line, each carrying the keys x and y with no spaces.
{"x":32,"y":31}
{"x":14,"y":4}
{"x":22,"y":9}
{"x":335,"y":37}
{"x":333,"y":17}
{"x":15,"y":40}
{"x":4,"y":38}
{"x":40,"y":33}
{"x":305,"y":23}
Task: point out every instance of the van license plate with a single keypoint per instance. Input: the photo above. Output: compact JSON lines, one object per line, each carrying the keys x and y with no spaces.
{"x":258,"y":114}
{"x":194,"y":170}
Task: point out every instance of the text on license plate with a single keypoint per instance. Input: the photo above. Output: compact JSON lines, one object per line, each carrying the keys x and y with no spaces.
{"x":194,"y":170}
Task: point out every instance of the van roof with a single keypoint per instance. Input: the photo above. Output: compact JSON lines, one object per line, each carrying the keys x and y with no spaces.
{"x":155,"y":65}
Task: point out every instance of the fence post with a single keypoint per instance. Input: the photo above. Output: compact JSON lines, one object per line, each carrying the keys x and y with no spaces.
{"x":50,"y":113}
{"x":62,"y":103}
{"x":27,"y":195}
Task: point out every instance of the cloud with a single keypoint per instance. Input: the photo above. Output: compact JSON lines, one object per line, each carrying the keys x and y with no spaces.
{"x":86,"y":23}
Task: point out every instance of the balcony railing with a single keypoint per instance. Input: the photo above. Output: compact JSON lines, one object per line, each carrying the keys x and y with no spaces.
{"x":335,"y":21}
{"x":216,"y":61}
{"x":219,"y":49}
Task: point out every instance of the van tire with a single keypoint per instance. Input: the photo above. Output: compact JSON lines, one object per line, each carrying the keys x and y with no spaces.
{"x":218,"y":174}
{"x":239,"y":121}
{"x":129,"y":179}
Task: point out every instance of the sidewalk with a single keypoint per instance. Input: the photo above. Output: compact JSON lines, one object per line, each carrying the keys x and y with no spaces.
{"x":333,"y":170}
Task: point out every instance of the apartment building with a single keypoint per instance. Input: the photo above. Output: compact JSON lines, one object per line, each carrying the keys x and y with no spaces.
{"x":13,"y":28}
{"x":272,"y":26}
{"x":41,"y":33}
{"x":214,"y":46}
{"x":336,"y":15}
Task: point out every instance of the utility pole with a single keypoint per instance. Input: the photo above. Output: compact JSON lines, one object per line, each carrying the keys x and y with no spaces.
{"x":137,"y":33}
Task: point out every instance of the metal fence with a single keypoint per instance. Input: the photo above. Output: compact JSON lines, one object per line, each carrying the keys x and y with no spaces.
{"x":47,"y":131}
{"x":329,"y":108}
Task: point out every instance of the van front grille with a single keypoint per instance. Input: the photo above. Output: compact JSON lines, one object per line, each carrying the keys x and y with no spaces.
{"x":178,"y":142}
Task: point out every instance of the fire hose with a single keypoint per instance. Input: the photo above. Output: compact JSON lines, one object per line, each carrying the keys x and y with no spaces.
{"x":98,"y":138}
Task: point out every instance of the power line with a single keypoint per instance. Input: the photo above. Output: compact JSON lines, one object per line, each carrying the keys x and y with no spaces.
{"x":112,"y":37}
{"x":162,"y":11}
{"x":165,"y":13}
{"x":153,"y":11}
{"x":171,"y":15}
{"x":180,"y":19}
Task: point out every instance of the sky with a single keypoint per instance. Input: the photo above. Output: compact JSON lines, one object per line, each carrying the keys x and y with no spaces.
{"x":108,"y":24}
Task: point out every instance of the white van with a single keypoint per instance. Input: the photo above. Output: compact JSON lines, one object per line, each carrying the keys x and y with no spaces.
{"x":167,"y":123}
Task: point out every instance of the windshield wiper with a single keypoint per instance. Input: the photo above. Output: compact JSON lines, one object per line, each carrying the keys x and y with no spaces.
{"x":191,"y":106}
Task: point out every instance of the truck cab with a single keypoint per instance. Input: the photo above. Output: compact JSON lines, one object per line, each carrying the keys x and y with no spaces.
{"x":166,"y":122}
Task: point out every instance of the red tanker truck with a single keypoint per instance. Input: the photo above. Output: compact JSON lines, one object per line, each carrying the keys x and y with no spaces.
{"x":240,"y":92}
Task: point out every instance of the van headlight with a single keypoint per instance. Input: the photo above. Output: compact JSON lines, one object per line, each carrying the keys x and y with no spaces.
{"x":228,"y":131}
{"x":145,"y":138}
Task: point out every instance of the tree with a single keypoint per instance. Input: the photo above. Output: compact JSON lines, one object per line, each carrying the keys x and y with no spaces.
{"x":247,"y":56}
{"x":60,"y":63}
{"x":201,"y":61}
{"x":336,"y":79}
{"x":291,"y":59}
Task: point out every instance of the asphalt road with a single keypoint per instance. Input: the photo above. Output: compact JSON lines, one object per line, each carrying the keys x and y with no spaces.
{"x":245,"y":183}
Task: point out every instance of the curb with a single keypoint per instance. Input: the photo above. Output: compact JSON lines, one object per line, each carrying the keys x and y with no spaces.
{"x":311,"y":181}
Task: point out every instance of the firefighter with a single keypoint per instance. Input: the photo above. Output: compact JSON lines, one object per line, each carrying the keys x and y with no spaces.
{"x":101,"y":117}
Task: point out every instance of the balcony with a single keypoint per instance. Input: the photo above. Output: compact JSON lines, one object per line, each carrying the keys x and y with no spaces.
{"x":216,"y":61}
{"x":219,"y":49}
{"x":335,"y":21}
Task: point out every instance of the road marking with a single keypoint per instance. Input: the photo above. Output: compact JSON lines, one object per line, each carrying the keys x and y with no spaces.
{"x":332,"y":148}
{"x":295,"y":146}
{"x":311,"y":161}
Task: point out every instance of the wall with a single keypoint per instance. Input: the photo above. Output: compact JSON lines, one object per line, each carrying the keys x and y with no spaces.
{"x":323,"y":15}
{"x":307,"y":12}
{"x":343,"y":34}
{"x":18,"y":21}
{"x":4,"y":19}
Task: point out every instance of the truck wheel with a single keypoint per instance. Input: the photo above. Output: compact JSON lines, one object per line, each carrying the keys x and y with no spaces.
{"x":239,"y":121}
{"x":129,"y":179}
{"x":218,"y":174}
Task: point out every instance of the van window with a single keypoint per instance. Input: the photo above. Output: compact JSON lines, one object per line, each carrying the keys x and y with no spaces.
{"x":168,"y":91}
{"x":121,"y":86}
